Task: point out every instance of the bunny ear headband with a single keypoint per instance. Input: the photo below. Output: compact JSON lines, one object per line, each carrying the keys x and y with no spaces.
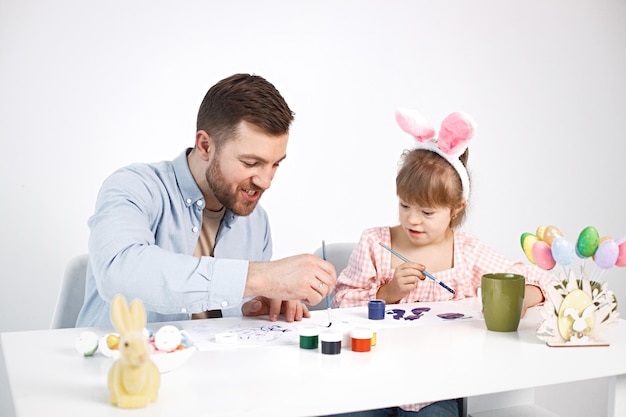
{"x":456,"y":131}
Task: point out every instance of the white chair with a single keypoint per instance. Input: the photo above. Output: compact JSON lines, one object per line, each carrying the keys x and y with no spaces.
{"x":72,"y":293}
{"x":337,"y":254}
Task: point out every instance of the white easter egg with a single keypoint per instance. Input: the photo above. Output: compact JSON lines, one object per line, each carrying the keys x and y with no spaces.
{"x":87,"y":343}
{"x":167,"y":338}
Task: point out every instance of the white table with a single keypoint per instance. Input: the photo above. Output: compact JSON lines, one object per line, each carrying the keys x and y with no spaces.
{"x":410,"y":363}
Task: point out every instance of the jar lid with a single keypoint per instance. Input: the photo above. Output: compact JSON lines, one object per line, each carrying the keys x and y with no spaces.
{"x":377,"y":304}
{"x":309,"y":331}
{"x":331,"y":336}
{"x":361,"y":333}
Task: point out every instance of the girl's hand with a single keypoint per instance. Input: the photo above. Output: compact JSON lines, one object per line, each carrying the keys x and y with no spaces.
{"x":532,"y":297}
{"x":405,"y":278}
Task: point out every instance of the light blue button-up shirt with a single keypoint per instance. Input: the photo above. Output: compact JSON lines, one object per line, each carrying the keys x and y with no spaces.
{"x":142,"y":238}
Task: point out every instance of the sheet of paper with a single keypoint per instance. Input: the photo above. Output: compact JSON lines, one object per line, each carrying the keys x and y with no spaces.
{"x":249,"y":332}
{"x":255,"y":331}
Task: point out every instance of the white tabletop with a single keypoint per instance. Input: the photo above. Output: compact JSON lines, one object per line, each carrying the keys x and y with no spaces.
{"x":413,"y":361}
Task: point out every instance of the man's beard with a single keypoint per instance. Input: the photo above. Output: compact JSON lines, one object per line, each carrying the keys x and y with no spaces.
{"x":223,"y":194}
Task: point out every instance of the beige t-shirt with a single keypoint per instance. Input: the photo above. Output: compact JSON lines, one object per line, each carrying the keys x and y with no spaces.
{"x":210,"y":223}
{"x":206,"y":241}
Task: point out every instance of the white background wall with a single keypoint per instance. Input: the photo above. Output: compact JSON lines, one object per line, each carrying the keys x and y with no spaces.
{"x":87,"y":87}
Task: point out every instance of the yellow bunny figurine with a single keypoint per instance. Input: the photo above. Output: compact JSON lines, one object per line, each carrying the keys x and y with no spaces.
{"x":133,"y":378}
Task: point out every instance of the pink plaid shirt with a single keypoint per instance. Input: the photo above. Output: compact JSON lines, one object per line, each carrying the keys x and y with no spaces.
{"x":369,"y":268}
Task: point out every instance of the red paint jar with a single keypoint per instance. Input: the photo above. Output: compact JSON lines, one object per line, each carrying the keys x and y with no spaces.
{"x":361,"y":339}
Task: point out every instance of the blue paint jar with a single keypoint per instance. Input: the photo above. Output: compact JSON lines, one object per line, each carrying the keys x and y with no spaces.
{"x":376,"y":309}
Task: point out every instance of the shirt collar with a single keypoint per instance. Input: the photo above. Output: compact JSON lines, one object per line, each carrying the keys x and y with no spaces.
{"x":189,"y":188}
{"x":186,"y":184}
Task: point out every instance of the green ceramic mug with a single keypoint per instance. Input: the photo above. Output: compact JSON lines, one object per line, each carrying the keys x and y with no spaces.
{"x":502,"y":298}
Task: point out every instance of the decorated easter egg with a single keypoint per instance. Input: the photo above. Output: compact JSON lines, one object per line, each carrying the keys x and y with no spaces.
{"x":563,"y":251}
{"x":621,"y":255}
{"x":588,"y":241}
{"x":528,"y":241}
{"x":551,"y":233}
{"x":167,"y":338}
{"x":540,"y":231}
{"x":607,"y":254}
{"x":87,"y":343}
{"x":574,"y":315}
{"x":543,"y":255}
{"x":112,"y":341}
{"x":523,"y":238}
{"x":109,"y":345}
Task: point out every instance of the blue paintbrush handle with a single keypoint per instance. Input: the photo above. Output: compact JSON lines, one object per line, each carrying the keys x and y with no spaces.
{"x":438,"y":281}
{"x":428,"y":274}
{"x":327,"y":295}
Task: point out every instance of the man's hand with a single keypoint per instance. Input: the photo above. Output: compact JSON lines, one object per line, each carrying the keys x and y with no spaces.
{"x":304,"y":278}
{"x":293,"y":310}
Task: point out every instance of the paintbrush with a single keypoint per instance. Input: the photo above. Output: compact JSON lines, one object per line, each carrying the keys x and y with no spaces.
{"x":330,"y":320}
{"x":428,"y":274}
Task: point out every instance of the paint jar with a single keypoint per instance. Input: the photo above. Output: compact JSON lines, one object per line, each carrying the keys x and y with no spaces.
{"x":309,"y":337}
{"x":331,"y":342}
{"x":376,"y":309}
{"x":374,"y":332}
{"x":361,"y":339}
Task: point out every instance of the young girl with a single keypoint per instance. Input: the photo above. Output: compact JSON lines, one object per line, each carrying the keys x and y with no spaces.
{"x":432,"y":185}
